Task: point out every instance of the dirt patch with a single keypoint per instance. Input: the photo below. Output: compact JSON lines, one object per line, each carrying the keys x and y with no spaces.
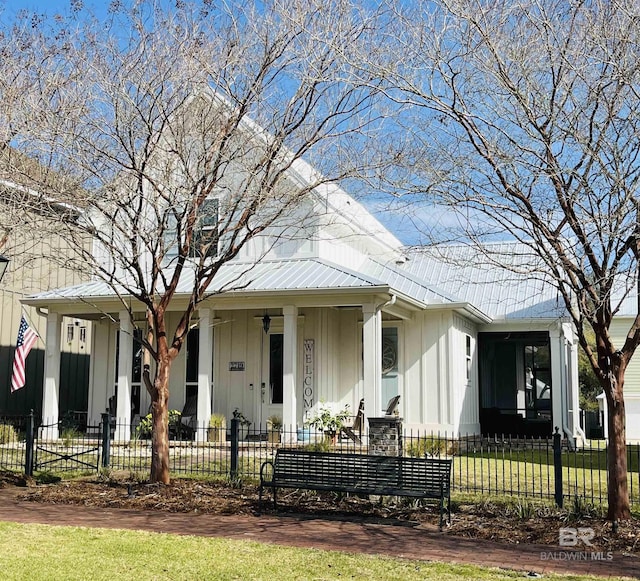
{"x":518,"y":522}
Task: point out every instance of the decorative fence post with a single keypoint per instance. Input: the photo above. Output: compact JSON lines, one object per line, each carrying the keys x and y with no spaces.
{"x":30,"y":442}
{"x":106,"y":439}
{"x":557,"y":466}
{"x":235,"y":429}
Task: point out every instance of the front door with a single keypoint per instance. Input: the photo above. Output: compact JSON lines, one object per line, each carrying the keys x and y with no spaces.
{"x":271,"y":383}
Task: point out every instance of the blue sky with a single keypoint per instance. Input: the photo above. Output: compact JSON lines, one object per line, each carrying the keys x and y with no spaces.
{"x":11,"y":7}
{"x":403,"y":224}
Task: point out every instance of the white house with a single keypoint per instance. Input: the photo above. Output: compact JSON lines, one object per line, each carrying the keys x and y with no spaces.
{"x":336,"y":311}
{"x":344,"y":314}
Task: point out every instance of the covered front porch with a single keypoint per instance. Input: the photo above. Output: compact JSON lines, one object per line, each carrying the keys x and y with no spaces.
{"x":273,"y":355}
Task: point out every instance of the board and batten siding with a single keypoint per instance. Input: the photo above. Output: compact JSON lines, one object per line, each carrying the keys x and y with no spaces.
{"x":466,"y":400}
{"x":37,"y":263}
{"x":619,"y":329}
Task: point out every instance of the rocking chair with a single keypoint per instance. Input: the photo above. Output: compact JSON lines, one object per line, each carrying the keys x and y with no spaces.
{"x":354,"y":431}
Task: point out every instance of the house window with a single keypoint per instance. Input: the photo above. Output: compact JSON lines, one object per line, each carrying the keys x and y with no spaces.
{"x":468,"y":356}
{"x":70,"y":328}
{"x":205,"y":236}
{"x":390,"y":387}
{"x":83,"y":334}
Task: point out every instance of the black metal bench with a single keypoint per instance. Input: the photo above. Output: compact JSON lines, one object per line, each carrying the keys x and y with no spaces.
{"x":360,"y":474}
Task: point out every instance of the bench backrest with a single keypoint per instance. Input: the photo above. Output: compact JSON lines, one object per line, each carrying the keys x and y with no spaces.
{"x":363,"y":472}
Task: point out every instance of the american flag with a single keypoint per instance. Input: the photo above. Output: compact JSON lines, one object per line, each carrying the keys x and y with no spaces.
{"x":26,"y":338}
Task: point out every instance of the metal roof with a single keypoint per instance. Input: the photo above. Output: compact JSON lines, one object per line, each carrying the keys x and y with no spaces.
{"x":459,"y":279}
{"x":268,"y":275}
{"x":475,"y":277}
{"x":286,"y":275}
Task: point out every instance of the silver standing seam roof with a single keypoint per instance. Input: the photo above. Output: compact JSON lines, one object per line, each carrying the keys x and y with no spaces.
{"x":426,"y":280}
{"x":504,"y":294}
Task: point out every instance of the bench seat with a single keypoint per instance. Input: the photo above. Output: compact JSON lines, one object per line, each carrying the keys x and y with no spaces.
{"x":425,"y":478}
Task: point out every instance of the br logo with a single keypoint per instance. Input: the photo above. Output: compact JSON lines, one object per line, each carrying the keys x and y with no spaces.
{"x":570,"y":537}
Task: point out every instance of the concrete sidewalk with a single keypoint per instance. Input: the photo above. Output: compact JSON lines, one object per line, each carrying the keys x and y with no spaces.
{"x":415,"y":542}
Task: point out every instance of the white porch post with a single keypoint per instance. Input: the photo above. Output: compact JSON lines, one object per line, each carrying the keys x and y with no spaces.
{"x":51,"y":387}
{"x":205,"y":360}
{"x":372,"y":360}
{"x":558,"y":383}
{"x":574,"y":388}
{"x":290,"y":371}
{"x":125,"y":363}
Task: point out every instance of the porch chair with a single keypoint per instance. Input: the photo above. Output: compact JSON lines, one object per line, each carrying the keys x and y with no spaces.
{"x":392,"y":405}
{"x":354,"y":431}
{"x":188,"y":418}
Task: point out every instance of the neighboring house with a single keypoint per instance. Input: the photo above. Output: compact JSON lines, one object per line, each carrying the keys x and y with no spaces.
{"x":342,"y":312}
{"x":619,"y":329}
{"x":36,"y":255}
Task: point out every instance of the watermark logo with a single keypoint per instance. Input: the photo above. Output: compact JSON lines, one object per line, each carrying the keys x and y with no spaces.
{"x":570,"y":537}
{"x":580,"y":538}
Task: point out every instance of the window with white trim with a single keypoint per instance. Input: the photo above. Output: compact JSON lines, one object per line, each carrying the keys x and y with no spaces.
{"x":205,"y":236}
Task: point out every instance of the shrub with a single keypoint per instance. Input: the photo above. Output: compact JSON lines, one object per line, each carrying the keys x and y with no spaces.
{"x":145,"y":427}
{"x":275,"y":422}
{"x":8,"y":434}
{"x":320,"y":446}
{"x":431,"y":446}
{"x":327,"y":421}
{"x":68,"y":435}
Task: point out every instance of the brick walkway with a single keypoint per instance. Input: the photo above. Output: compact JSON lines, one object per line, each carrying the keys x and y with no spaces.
{"x":414,"y":542}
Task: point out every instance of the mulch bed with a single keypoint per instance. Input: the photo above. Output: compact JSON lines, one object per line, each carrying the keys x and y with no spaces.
{"x":514,"y":523}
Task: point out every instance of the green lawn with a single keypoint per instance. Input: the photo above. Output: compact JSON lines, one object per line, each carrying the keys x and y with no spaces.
{"x":34,"y":552}
{"x":531,"y":473}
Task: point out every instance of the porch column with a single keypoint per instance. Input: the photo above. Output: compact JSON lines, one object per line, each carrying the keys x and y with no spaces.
{"x":125,"y":363}
{"x":558,"y":383}
{"x":289,"y":371}
{"x":205,"y":362}
{"x":574,"y":387}
{"x":51,"y":386}
{"x":372,"y":360}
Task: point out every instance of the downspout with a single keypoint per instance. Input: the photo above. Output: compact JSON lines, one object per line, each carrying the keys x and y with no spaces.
{"x":391,"y":301}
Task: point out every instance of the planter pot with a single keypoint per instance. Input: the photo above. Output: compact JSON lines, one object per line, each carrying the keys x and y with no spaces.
{"x":303,"y":435}
{"x":331,"y":437}
{"x":217,"y":435}
{"x":273,"y":436}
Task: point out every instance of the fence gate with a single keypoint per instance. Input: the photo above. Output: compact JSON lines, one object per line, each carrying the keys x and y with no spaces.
{"x":72,"y":448}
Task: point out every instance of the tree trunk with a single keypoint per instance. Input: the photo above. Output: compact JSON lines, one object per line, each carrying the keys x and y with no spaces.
{"x":617,"y":491}
{"x":160,"y":420}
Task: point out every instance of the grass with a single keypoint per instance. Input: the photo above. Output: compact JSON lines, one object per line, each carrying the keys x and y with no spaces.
{"x":531,"y":473}
{"x":79,"y":553}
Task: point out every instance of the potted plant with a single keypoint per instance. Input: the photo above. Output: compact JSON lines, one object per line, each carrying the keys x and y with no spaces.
{"x":330,"y":423}
{"x":217,"y":429}
{"x":274,"y":425}
{"x":243,"y":424}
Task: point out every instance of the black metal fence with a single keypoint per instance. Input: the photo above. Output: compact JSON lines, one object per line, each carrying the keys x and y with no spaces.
{"x":545,"y":468}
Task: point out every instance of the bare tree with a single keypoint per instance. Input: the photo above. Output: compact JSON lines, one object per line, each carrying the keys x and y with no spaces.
{"x":523,"y":117}
{"x":183,"y":128}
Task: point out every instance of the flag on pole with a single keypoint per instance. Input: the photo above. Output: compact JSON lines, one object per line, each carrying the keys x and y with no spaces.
{"x":26,"y":338}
